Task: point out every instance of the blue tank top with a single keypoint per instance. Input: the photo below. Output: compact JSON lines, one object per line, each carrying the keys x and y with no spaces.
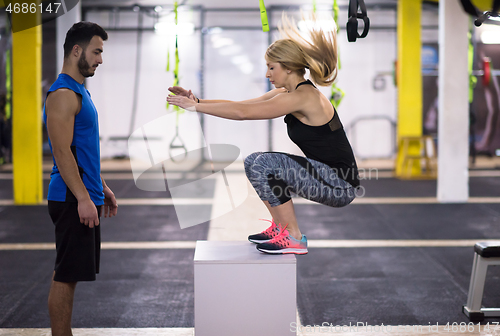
{"x":85,"y":147}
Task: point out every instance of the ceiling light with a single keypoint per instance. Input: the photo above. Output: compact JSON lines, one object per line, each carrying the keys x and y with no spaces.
{"x":222,"y":42}
{"x":490,"y":37}
{"x":215,"y":30}
{"x":169,"y":28}
{"x":240,"y":59}
{"x":158,"y":9}
{"x":246,"y":68}
{"x":230,"y":50}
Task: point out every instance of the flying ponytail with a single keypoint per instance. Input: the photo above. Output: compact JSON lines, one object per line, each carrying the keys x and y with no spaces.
{"x":297,"y":53}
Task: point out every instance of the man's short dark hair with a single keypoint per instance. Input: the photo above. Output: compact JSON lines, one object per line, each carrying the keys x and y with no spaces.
{"x":81,"y":33}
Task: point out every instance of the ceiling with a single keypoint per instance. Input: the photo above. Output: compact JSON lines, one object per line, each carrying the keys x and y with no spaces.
{"x":224,"y":3}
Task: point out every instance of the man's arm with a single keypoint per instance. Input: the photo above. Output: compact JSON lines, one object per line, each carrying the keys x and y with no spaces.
{"x":61,"y":108}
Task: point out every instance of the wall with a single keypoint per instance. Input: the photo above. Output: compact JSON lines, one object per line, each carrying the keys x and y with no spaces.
{"x":227,"y":77}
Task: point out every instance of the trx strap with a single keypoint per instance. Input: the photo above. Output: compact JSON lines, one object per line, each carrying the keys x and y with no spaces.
{"x":469,"y":8}
{"x":168,"y":59}
{"x":352,"y":22}
{"x":472,"y":78}
{"x":8,"y":74}
{"x":335,"y":10}
{"x":477,"y":9}
{"x":337,"y":93}
{"x":176,"y":68}
{"x":176,"y":73}
{"x":263,"y":16}
{"x":485,"y":16}
{"x":177,"y":109}
{"x":336,"y":19}
{"x":8,"y":85}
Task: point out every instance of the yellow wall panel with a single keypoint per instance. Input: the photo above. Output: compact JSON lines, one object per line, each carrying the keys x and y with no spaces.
{"x":409,"y":73}
{"x":27,"y":115}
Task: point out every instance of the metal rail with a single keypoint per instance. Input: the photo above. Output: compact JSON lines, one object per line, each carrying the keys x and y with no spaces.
{"x":351,"y":128}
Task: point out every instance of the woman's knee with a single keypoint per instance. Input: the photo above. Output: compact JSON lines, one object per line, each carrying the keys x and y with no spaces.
{"x":250,"y":159}
{"x":343,"y":197}
{"x":249,"y":162}
{"x":261,"y":165}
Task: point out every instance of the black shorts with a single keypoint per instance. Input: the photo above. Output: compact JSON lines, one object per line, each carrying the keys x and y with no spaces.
{"x":78,"y":246}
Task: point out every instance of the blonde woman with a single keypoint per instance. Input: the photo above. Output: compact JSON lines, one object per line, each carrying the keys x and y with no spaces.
{"x":328,"y":173}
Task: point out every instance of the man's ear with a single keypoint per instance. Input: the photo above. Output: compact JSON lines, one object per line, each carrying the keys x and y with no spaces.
{"x":77,"y":50}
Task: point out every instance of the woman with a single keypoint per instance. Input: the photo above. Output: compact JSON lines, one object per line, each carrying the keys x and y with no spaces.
{"x":328,"y":174}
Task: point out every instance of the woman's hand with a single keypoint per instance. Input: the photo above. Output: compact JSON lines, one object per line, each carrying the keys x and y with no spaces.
{"x":179,"y":91}
{"x":183,"y":102}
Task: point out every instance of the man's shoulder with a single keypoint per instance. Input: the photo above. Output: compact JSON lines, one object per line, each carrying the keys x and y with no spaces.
{"x":63,"y":99}
{"x":62,"y":94}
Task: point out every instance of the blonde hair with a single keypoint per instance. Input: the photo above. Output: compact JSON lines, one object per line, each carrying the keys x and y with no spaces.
{"x":295,"y":52}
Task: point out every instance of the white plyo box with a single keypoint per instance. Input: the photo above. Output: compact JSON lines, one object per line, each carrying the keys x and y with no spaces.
{"x":241,"y":291}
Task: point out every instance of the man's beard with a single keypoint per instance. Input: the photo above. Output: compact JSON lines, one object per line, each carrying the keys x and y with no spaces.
{"x":84,"y":67}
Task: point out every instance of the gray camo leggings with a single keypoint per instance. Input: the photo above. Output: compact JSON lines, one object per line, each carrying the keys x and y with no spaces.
{"x":276,"y":175}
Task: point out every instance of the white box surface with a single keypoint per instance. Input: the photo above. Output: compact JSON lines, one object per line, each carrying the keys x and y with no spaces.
{"x":239,"y":291}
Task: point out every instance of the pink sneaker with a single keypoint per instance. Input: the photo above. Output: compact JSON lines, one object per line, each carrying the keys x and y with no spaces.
{"x":265,"y":235}
{"x":284,"y":243}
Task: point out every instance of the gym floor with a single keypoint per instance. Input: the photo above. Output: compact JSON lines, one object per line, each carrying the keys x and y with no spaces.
{"x":393,"y":257}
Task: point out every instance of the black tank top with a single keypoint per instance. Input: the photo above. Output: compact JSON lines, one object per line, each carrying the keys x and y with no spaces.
{"x":326,"y":143}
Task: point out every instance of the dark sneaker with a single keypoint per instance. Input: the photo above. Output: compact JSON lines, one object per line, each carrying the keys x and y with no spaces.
{"x":284,"y":244}
{"x":265,"y":235}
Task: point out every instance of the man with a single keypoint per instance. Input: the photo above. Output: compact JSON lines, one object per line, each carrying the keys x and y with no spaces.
{"x":77,"y":193}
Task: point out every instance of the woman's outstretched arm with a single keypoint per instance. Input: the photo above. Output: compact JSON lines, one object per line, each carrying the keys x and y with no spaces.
{"x":177,"y":90}
{"x":277,"y":106}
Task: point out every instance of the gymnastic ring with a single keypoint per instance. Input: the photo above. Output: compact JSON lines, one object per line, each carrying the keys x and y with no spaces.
{"x":182,"y":146}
